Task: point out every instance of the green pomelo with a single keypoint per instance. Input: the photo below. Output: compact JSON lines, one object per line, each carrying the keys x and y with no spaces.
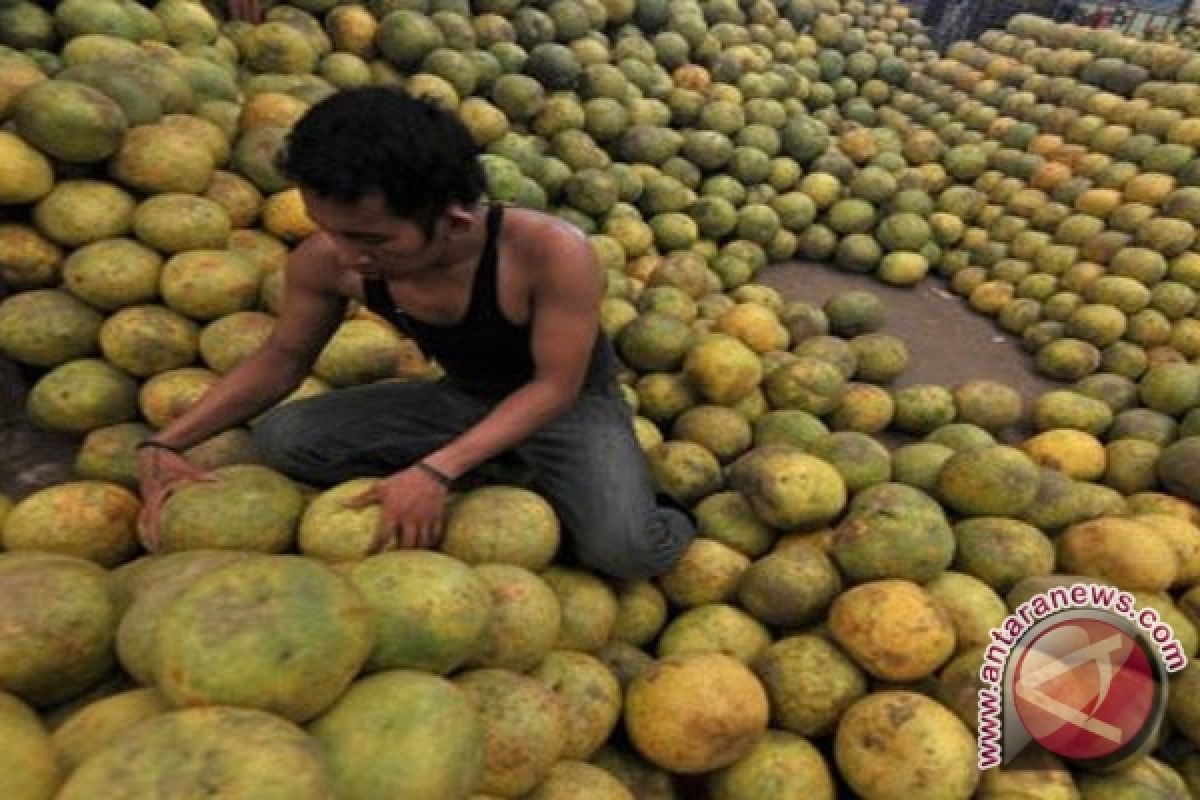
{"x":226,"y":751}
{"x":282,"y":634}
{"x":379,"y":738}
{"x":431,"y":612}
{"x":247,"y":507}
{"x":62,"y":613}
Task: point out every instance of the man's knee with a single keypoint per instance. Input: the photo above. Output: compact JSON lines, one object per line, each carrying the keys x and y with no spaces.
{"x":637,"y":547}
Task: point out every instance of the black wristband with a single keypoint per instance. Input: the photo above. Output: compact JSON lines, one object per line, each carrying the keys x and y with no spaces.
{"x":435,"y":473}
{"x":160,"y":445}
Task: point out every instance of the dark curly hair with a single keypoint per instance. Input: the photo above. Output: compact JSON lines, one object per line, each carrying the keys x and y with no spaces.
{"x":357,"y":141}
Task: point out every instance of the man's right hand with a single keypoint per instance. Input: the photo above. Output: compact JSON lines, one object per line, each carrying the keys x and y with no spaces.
{"x":160,"y":473}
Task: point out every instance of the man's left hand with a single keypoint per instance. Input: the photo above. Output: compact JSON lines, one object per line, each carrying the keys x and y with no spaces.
{"x":412,"y":508}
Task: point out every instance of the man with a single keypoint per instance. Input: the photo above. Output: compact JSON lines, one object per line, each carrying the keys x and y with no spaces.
{"x":507,"y":300}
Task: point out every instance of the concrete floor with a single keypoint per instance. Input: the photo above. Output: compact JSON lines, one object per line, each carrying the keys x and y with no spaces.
{"x":948,"y":341}
{"x":949,"y":344}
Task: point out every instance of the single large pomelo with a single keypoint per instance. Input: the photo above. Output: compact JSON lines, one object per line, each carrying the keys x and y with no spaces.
{"x":81,"y":396}
{"x":247,"y":507}
{"x":29,"y":763}
{"x":588,"y":605}
{"x":591,"y":695}
{"x":231,"y":339}
{"x":641,"y":612}
{"x":783,"y":766}
{"x":893,"y":629}
{"x":810,"y":683}
{"x":525,"y":729}
{"x":361,"y":351}
{"x":47,"y":327}
{"x":790,"y":588}
{"x":893,"y":531}
{"x":93,"y":520}
{"x":82,"y":211}
{"x":28,"y":258}
{"x":431,"y":612}
{"x":113,"y":273}
{"x":334,"y":531}
{"x":578,"y":780}
{"x":723,"y":369}
{"x":70,"y":121}
{"x":153,"y":582}
{"x":283,"y":634}
{"x":163,"y":158}
{"x":707,"y":572}
{"x":989,"y":481}
{"x":61,"y":614}
{"x":526,"y":618}
{"x":788,"y":488}
{"x":175,"y":222}
{"x":25,"y":174}
{"x":902,"y":744}
{"x":148,"y":340}
{"x":225,"y":752}
{"x":402,"y":734}
{"x":696,"y":713}
{"x":502,"y":525}
{"x":97,"y":724}
{"x":715,"y":628}
{"x":208,"y":284}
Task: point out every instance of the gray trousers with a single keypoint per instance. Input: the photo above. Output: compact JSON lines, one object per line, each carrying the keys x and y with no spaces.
{"x":587,"y":463}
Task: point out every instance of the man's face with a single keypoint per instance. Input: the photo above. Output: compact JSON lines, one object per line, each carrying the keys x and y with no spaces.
{"x":372,"y":239}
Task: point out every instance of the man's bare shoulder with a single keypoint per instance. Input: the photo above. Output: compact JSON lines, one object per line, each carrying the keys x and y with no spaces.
{"x":542,"y":239}
{"x":315,"y":266}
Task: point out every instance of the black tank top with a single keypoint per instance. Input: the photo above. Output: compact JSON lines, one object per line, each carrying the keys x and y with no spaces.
{"x":484,"y":355}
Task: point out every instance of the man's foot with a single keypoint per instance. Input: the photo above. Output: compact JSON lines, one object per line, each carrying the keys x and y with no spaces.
{"x":666,"y":501}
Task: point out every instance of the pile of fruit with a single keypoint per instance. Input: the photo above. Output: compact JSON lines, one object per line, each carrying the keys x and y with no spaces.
{"x":823,"y":636}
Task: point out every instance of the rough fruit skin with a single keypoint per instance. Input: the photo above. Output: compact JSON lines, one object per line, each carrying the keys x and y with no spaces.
{"x":695,"y":713}
{"x":591,"y":695}
{"x":502,"y":525}
{"x":901,"y":744}
{"x":402,"y":733}
{"x":248,"y":507}
{"x":81,"y":396}
{"x":525,"y":729}
{"x":29,"y":768}
{"x":782,"y":766}
{"x":526,"y":618}
{"x":788,"y":488}
{"x":64,"y":613}
{"x":70,"y":121}
{"x":990,"y":481}
{"x":86,"y":519}
{"x":431,"y":612}
{"x":154,"y":581}
{"x":227,"y":752}
{"x":283,"y":634}
{"x":893,"y":629}
{"x":47,"y":327}
{"x":25,"y":174}
{"x":97,"y":724}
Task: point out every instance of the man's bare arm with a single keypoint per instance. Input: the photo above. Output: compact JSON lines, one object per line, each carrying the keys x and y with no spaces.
{"x":565,"y":322}
{"x":308,"y":317}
